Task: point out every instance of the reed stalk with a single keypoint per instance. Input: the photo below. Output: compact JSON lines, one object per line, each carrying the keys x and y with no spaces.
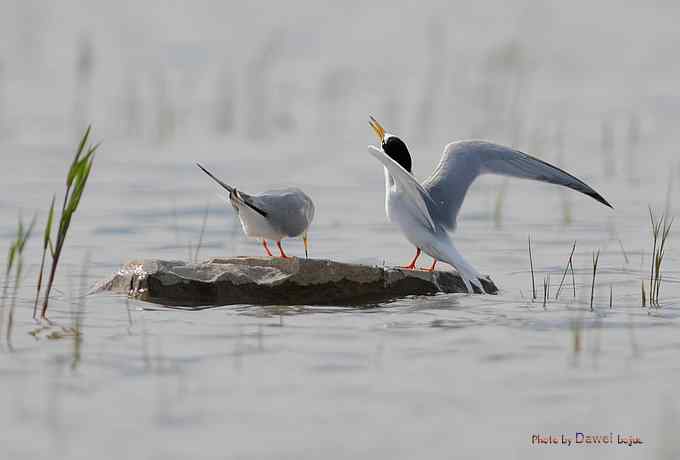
{"x":564,"y":275}
{"x":76,"y":180}
{"x":531,"y":265}
{"x":596,"y":259}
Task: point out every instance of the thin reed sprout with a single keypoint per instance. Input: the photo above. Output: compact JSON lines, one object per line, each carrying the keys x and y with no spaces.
{"x":531,"y":265}
{"x":202,"y":233}
{"x":623,"y":251}
{"x":76,"y":180}
{"x":564,"y":275}
{"x":573,"y":277}
{"x":596,"y":260}
{"x":47,"y":243}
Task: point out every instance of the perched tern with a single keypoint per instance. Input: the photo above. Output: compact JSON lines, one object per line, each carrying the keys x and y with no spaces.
{"x":271,"y":215}
{"x":425,"y":212}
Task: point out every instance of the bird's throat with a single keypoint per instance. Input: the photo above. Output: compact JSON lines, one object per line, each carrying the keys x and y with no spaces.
{"x":389,"y":188}
{"x":389,"y":181}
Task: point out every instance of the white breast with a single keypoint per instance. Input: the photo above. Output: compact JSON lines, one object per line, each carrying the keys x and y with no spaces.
{"x":257,"y":226}
{"x":404,"y":212}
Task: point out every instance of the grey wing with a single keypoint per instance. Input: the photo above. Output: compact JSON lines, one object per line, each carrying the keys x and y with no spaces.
{"x":462,"y":162}
{"x":290,"y":210}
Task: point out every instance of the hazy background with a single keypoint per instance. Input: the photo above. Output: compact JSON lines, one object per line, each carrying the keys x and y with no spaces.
{"x":279,"y":93}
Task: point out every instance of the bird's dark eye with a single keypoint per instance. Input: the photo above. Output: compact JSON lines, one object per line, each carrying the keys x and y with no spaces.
{"x":397,"y":150}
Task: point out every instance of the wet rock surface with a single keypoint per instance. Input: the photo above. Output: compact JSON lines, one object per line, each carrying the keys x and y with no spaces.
{"x":275,"y":281}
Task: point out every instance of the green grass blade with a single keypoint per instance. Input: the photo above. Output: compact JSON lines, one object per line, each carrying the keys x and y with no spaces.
{"x":76,"y":181}
{"x":11,"y":256}
{"x":48,"y":225}
{"x":76,"y":159}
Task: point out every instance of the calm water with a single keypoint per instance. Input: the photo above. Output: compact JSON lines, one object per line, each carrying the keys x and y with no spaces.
{"x":276,"y":97}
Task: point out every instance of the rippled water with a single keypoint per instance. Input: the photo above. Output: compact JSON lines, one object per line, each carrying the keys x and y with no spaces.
{"x":423,"y":377}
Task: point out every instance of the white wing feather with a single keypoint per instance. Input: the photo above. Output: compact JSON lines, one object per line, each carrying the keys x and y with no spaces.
{"x":408,"y":184}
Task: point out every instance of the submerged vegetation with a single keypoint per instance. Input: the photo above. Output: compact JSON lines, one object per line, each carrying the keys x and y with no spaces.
{"x":649,"y":290}
{"x":15,"y":258}
{"x":76,"y":180}
{"x":570,"y":266}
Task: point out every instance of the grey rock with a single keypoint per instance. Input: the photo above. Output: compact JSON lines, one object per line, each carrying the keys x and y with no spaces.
{"x":275,"y":281}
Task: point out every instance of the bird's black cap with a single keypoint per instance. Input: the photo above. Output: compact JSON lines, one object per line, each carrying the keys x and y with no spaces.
{"x":396,"y":149}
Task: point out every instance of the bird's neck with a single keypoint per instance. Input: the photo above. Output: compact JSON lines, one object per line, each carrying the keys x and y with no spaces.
{"x":389,"y":181}
{"x":389,"y":186}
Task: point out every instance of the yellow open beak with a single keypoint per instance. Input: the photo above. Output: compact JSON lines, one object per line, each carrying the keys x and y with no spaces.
{"x":377,"y":129}
{"x":304,"y":240}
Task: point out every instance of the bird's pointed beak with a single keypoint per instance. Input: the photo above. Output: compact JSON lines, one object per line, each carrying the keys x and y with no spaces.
{"x":305,"y":241}
{"x":377,"y":129}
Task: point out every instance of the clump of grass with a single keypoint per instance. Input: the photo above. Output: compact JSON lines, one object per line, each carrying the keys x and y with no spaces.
{"x":14,"y":259}
{"x":661,"y":228}
{"x":76,"y":180}
{"x":596,"y":260}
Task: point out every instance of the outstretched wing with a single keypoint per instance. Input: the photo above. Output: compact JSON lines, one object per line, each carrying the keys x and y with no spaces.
{"x":406,"y":182}
{"x":463,"y":161}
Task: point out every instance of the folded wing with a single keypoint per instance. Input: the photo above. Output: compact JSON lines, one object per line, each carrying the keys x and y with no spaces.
{"x":289,"y":210}
{"x":462,"y":162}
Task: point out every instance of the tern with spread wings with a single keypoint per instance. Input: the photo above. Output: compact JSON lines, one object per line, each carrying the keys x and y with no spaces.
{"x":426,"y":212}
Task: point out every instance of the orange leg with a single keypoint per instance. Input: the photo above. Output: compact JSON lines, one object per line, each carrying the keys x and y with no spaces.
{"x":430,"y":269}
{"x":266,"y":248}
{"x":283,"y":254}
{"x":412,"y":265}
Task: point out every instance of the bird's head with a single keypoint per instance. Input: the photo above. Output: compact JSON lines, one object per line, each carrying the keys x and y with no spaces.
{"x":394,"y":147}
